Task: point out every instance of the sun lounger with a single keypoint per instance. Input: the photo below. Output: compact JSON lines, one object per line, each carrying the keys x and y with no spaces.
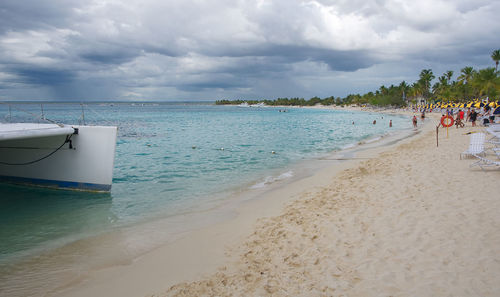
{"x":476,"y":145}
{"x":493,"y":128}
{"x":496,"y":150}
{"x":483,"y":162}
{"x":495,"y":132}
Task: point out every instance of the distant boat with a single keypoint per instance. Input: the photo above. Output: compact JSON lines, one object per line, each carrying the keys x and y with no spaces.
{"x":58,"y":156}
{"x":244,"y":104}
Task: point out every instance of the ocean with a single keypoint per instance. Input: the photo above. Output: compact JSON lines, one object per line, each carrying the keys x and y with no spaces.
{"x":176,"y":165}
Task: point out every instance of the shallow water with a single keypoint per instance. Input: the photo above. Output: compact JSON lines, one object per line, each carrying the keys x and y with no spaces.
{"x":172,"y":160}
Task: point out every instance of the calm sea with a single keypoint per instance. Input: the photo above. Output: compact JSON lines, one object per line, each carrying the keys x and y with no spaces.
{"x":172,"y":160}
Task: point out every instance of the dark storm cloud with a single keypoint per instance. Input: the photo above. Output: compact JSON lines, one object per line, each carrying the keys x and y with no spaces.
{"x":174,"y":49}
{"x":213,"y":84}
{"x":170,"y":52}
{"x":44,"y":76}
{"x":335,"y":59}
{"x":35,"y":14}
{"x":110,"y":56}
{"x":277,"y":57}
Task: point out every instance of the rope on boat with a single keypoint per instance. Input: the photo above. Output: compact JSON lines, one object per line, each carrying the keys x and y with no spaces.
{"x":68,"y":139}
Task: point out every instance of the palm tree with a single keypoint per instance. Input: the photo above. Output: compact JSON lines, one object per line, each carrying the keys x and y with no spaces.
{"x":495,"y":55}
{"x":383,"y":90}
{"x":436,"y":88}
{"x":448,"y":75}
{"x":442,"y":89}
{"x":403,"y":87}
{"x":465,"y":81}
{"x":426,"y":76}
{"x":487,"y":81}
{"x":415,"y":90}
{"x":466,"y":75}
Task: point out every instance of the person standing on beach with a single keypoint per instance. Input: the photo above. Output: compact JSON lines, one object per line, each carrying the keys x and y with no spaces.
{"x":468,"y":115}
{"x":414,"y":121}
{"x":488,"y":114}
{"x":458,"y":121}
{"x":473,"y":117}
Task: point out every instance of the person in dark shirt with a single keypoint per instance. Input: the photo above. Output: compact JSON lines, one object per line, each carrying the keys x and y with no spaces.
{"x":473,"y":117}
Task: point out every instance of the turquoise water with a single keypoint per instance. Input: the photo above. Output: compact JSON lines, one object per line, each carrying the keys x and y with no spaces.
{"x":172,"y":159}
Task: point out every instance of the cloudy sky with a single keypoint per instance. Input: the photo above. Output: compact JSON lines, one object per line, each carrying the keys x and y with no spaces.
{"x":227,"y":49}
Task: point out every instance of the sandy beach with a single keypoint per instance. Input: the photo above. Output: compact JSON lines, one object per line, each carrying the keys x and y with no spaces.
{"x":406,"y":218}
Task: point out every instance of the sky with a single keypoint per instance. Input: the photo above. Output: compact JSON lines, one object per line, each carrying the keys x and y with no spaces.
{"x":171,"y":50}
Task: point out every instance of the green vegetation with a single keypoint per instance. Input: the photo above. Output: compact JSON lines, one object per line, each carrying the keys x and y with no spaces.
{"x":495,"y":55}
{"x":470,"y":84}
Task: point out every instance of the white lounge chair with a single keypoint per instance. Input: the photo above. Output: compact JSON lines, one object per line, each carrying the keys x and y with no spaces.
{"x":483,"y":162}
{"x":496,"y":150}
{"x":476,"y":145}
{"x":496,"y":136}
{"x":494,"y":128}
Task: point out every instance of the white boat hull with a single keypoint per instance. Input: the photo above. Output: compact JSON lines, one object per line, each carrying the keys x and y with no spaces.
{"x":86,"y":163}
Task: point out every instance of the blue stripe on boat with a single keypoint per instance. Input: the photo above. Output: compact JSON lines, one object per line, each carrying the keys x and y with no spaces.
{"x":56,"y":184}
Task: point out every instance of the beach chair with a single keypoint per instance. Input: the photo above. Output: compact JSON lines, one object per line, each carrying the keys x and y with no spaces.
{"x":495,"y":141}
{"x":483,"y":162}
{"x":494,"y":128}
{"x":496,"y":150}
{"x":495,"y":132}
{"x":476,"y":145}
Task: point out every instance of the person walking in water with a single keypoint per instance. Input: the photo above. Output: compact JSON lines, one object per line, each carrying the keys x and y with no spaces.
{"x":414,"y":121}
{"x":390,"y":123}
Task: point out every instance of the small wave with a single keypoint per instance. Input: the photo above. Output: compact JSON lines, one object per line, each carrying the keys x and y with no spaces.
{"x":349,"y":146}
{"x":375,"y":139}
{"x":271,"y":179}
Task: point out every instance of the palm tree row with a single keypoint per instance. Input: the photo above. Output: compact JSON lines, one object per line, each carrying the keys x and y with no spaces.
{"x":470,"y":84}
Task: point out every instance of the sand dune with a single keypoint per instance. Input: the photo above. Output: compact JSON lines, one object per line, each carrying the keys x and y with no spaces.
{"x":413,"y":221}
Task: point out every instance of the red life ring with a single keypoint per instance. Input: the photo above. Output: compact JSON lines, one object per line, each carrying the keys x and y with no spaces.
{"x":447,"y":121}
